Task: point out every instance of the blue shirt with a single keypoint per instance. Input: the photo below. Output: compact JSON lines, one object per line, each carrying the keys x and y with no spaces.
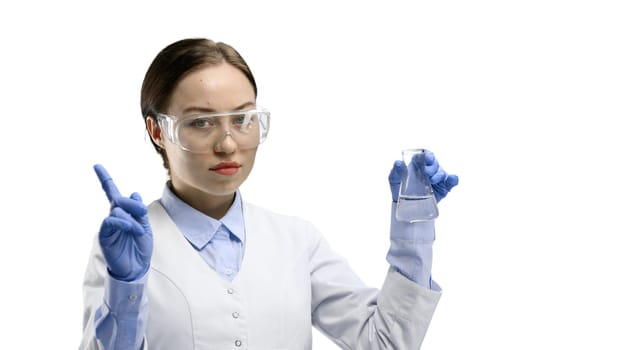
{"x":121,"y":320}
{"x":219,"y":242}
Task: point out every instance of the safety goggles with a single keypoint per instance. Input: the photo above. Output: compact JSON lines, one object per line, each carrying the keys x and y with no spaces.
{"x":199,"y":133}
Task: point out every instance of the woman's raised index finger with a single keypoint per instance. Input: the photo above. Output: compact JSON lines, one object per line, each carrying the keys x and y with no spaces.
{"x":108,"y":185}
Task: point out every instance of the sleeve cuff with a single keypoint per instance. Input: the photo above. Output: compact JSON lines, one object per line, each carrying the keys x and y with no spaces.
{"x":125,"y":298}
{"x":407,"y":299}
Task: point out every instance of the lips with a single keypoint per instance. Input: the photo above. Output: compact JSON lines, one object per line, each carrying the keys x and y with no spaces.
{"x":226,"y":168}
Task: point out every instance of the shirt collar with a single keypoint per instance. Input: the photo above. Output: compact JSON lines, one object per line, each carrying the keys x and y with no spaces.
{"x":199,"y":228}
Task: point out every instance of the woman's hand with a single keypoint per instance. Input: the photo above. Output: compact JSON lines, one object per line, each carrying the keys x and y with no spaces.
{"x":125,"y":235}
{"x":441,"y":182}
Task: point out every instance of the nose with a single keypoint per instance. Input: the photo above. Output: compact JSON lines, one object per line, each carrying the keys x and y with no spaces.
{"x":226,"y":144}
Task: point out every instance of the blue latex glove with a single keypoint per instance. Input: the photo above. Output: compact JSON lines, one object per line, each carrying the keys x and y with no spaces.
{"x":125,"y":235}
{"x":441,"y":182}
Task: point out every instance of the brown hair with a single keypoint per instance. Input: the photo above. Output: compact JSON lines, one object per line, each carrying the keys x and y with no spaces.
{"x":176,"y":61}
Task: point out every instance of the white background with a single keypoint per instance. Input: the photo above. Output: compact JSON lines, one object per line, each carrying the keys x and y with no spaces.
{"x":521,"y":99}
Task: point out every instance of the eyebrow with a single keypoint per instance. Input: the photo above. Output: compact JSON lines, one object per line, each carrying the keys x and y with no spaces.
{"x":194,"y":109}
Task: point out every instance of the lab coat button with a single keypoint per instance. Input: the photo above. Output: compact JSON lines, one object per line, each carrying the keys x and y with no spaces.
{"x":230,"y":290}
{"x":228,"y":272}
{"x":235,"y":315}
{"x":132,"y":297}
{"x":238,"y":343}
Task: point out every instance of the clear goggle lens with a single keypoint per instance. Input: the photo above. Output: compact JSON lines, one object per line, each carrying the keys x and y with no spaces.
{"x":200,"y":133}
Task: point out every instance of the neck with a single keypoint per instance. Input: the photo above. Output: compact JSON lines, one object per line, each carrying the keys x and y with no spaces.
{"x":214,"y":206}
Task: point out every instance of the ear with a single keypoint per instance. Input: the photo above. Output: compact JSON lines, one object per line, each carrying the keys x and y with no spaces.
{"x":155,"y":132}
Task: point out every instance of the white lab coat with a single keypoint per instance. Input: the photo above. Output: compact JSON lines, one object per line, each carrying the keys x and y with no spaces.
{"x":289,"y":280}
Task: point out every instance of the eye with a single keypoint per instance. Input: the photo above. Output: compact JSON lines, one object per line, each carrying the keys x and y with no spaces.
{"x":242,"y":120}
{"x":202,"y":123}
{"x":239,"y":119}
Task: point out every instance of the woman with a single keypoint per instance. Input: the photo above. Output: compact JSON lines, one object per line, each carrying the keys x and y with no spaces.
{"x":200,"y":268}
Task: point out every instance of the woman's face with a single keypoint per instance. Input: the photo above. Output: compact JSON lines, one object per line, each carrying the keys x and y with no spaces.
{"x":218,"y":172}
